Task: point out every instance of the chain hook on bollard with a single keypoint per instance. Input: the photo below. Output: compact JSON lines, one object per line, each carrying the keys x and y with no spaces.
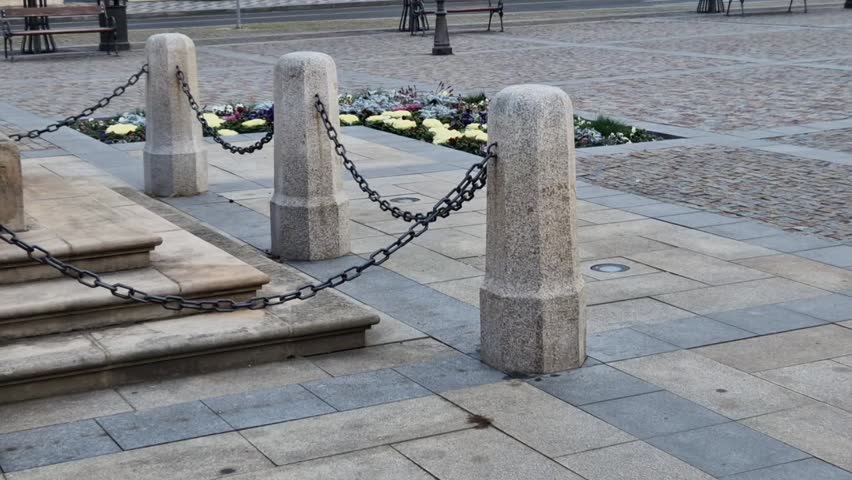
{"x":210,"y":131}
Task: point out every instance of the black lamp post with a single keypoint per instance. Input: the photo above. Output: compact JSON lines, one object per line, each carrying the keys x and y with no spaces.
{"x":442,"y":34}
{"x":848,"y":4}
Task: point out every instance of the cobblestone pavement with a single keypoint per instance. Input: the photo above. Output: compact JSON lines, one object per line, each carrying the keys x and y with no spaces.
{"x":167,"y":6}
{"x":768,"y":92}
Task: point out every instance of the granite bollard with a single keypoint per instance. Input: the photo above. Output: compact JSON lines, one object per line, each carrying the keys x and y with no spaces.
{"x":11,"y":186}
{"x":175,"y":157}
{"x":532,"y":299}
{"x":309,"y":210}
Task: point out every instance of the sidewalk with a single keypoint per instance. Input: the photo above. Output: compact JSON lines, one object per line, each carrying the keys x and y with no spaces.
{"x":137,"y":8}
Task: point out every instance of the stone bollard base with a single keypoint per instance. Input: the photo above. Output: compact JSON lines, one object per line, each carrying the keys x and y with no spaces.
{"x":11,"y":186}
{"x":533,"y":335}
{"x":321,"y":222}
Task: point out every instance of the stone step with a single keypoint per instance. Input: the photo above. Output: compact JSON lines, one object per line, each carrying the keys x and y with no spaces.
{"x":78,"y":222}
{"x":74,"y":362}
{"x":183,"y":265}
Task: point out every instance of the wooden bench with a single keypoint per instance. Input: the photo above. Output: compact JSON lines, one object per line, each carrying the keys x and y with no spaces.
{"x":42,"y":15}
{"x":419,"y":20}
{"x":742,"y":10}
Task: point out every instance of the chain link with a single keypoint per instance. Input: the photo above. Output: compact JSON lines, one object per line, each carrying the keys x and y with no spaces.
{"x":473,"y":181}
{"x":210,"y":131}
{"x":117,"y":92}
{"x":373,"y":195}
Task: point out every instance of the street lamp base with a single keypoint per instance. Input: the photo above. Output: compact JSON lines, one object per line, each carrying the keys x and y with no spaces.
{"x":442,"y":50}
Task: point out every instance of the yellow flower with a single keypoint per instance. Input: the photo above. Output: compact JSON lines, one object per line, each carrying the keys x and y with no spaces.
{"x":400,"y":124}
{"x":481,"y":136}
{"x":484,"y":127}
{"x":447,"y":125}
{"x":471,"y":133}
{"x":473,"y":126}
{"x":432,"y":123}
{"x":443,"y":136}
{"x":349,"y":119}
{"x":375,"y":119}
{"x":398,"y":114}
{"x":121,"y":129}
{"x":224,"y":132}
{"x":212,"y":120}
{"x":257,"y":122}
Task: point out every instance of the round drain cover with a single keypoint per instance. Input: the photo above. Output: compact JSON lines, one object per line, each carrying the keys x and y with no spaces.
{"x":610,"y":268}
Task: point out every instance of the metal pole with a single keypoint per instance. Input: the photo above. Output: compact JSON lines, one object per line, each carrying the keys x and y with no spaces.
{"x":239,"y":16}
{"x":442,"y":34}
{"x":848,"y":4}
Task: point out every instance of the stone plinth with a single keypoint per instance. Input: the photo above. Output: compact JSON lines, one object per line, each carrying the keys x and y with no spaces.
{"x":532,"y":299}
{"x":175,"y":157}
{"x":309,"y":210}
{"x":11,"y":186}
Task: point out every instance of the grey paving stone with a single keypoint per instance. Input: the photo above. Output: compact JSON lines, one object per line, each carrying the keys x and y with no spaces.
{"x":693,"y":332}
{"x":263,"y":407}
{"x":819,"y":429}
{"x":352,"y":430}
{"x":595,"y":192}
{"x":624,"y":343}
{"x":609,"y":316}
{"x":459,"y":371}
{"x":790,"y":242}
{"x":832,"y":308}
{"x":631,"y":461}
{"x":720,"y":388}
{"x":60,"y":409}
{"x":700,"y":219}
{"x":737,"y":296}
{"x":593,"y":384}
{"x":380,"y":463}
{"x":828,"y":381}
{"x":464,"y":338}
{"x":162,"y":425}
{"x":366,"y":389}
{"x":742,"y":230}
{"x":205,"y":457}
{"x":766,"y":319}
{"x":809,"y":468}
{"x":727,"y":449}
{"x":653,"y":414}
{"x":839,"y":256}
{"x":53,"y":444}
{"x":656,"y":210}
{"x":382,"y":356}
{"x":623,"y":200}
{"x":481,"y":454}
{"x":536,"y":418}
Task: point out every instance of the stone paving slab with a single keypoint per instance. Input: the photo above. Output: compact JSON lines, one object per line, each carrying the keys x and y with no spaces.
{"x":827,"y":381}
{"x":54,"y":444}
{"x":631,"y":461}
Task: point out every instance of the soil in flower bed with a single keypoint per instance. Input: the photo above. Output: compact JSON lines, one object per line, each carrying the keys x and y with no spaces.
{"x":438,"y":116}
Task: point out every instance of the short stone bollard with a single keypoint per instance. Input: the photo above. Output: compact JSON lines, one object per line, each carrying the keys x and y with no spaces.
{"x":175,"y":157}
{"x":11,"y":186}
{"x":309,"y":210}
{"x":532,"y":299}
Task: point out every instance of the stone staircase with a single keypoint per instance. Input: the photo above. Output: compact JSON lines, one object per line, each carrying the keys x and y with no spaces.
{"x":57,"y":336}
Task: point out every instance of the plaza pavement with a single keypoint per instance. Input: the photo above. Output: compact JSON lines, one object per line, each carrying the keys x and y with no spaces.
{"x":723,"y":352}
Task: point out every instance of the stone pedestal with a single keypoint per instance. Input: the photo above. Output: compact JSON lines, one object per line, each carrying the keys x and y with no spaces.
{"x":11,"y":186}
{"x":309,"y":210}
{"x":532,"y":299}
{"x":175,"y":156}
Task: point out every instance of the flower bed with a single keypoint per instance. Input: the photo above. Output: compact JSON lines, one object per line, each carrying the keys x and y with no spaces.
{"x":439,"y":116}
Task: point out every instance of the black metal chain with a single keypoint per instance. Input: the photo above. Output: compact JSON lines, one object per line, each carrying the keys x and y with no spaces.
{"x":117,"y":92}
{"x":373,"y":195}
{"x":210,"y":131}
{"x":473,"y":181}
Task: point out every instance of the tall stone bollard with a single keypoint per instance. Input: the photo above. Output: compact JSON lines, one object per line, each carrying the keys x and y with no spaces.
{"x":532,"y":300}
{"x":310,"y":211}
{"x":175,"y":157}
{"x":11,"y":186}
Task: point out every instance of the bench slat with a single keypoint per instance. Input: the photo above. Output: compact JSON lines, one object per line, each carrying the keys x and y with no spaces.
{"x":20,"y":12}
{"x":29,"y":33}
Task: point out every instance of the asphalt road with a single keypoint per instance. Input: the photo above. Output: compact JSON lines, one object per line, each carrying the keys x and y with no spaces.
{"x":373,"y":12}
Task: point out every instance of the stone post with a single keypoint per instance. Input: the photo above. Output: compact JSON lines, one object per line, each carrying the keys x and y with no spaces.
{"x":175,"y":156}
{"x":11,"y":186}
{"x":532,"y":300}
{"x":309,"y":210}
